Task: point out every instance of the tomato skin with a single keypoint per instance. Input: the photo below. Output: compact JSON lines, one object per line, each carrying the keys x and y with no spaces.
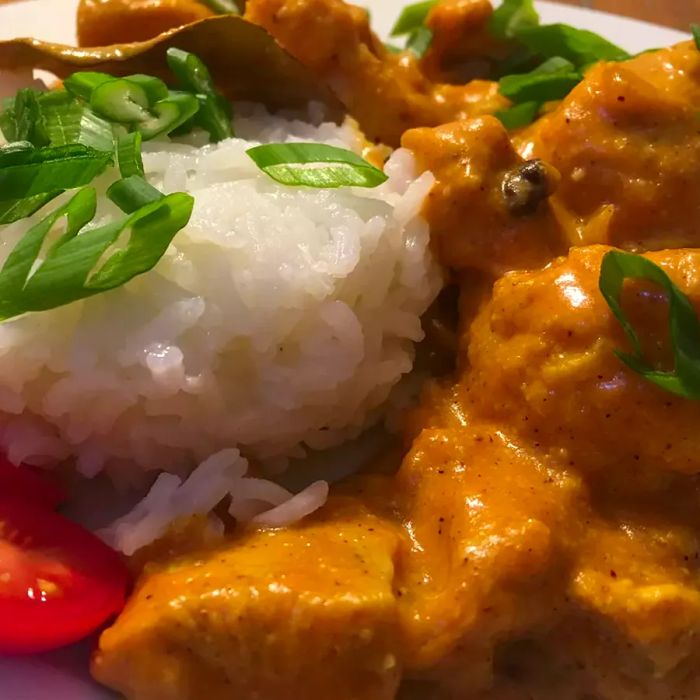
{"x":26,"y":484}
{"x":58,"y":581}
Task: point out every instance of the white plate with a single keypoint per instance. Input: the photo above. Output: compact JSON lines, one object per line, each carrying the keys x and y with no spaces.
{"x":64,"y":675}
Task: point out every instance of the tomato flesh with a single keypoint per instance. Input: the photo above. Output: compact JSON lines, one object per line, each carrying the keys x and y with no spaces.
{"x":58,"y":582}
{"x":26,"y":484}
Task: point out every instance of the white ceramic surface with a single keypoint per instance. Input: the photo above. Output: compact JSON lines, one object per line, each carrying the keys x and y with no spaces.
{"x":64,"y":675}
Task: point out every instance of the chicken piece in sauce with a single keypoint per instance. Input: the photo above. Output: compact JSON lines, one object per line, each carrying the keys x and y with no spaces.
{"x":541,"y":539}
{"x":626,"y":142}
{"x":543,"y":363}
{"x":489,"y":208}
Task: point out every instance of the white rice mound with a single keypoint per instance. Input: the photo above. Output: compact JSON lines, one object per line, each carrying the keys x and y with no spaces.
{"x":280,"y":319}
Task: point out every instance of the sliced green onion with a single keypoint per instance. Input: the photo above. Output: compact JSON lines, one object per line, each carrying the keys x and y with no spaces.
{"x":579,"y":46}
{"x":132,"y":193}
{"x":552,"y":80}
{"x":315,"y":165}
{"x":28,"y":172}
{"x":412,"y":17}
{"x":68,"y":121}
{"x":684,"y":326}
{"x":120,"y":100}
{"x":82,"y":83}
{"x":511,"y":17}
{"x":154,"y":88}
{"x":79,"y":266}
{"x":29,"y":125}
{"x":222,"y":7}
{"x":16,"y":209}
{"x":695,"y":29}
{"x":214,"y":110}
{"x":419,"y":41}
{"x":171,"y":112}
{"x":129,"y":155}
{"x":520,"y":115}
{"x":12,"y":149}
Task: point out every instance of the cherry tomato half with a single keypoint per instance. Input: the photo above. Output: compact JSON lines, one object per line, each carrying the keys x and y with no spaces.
{"x":26,"y":484}
{"x":58,"y":582}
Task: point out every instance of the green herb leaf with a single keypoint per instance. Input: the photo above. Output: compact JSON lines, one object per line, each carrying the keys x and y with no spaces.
{"x":215,"y":112}
{"x":695,"y":29}
{"x":412,"y":17}
{"x":222,"y":7}
{"x":315,"y":165}
{"x":82,"y":83}
{"x":26,"y":172}
{"x":40,"y":274}
{"x":579,"y":46}
{"x":419,"y":41}
{"x":129,"y":155}
{"x":684,"y":326}
{"x":553,"y":80}
{"x":512,"y":17}
{"x":520,"y":115}
{"x":132,"y":193}
{"x":16,"y":209}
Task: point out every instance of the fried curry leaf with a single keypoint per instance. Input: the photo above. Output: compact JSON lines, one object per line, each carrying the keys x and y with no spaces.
{"x":684,"y":326}
{"x":315,"y":165}
{"x":42,"y":274}
{"x":512,"y":17}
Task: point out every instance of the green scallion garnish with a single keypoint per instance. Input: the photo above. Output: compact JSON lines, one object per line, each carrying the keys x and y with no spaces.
{"x":215,"y":112}
{"x":552,"y":80}
{"x":16,"y":209}
{"x":133,"y":192}
{"x":129,"y":155}
{"x":315,"y":165}
{"x":121,"y":101}
{"x":695,"y":29}
{"x":83,"y":83}
{"x":222,"y":7}
{"x":412,"y":17}
{"x":79,"y":266}
{"x":684,"y":326}
{"x":511,"y":17}
{"x":170,"y":113}
{"x":26,"y":172}
{"x":520,"y":115}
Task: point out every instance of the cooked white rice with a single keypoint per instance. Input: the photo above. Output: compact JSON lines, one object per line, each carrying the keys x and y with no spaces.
{"x":280,"y":319}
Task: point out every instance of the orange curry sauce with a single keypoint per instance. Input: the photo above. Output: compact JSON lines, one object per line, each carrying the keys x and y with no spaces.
{"x":541,"y":537}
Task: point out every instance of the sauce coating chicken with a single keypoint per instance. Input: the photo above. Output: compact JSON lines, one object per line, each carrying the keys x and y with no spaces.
{"x":626,"y":142}
{"x":541,"y":538}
